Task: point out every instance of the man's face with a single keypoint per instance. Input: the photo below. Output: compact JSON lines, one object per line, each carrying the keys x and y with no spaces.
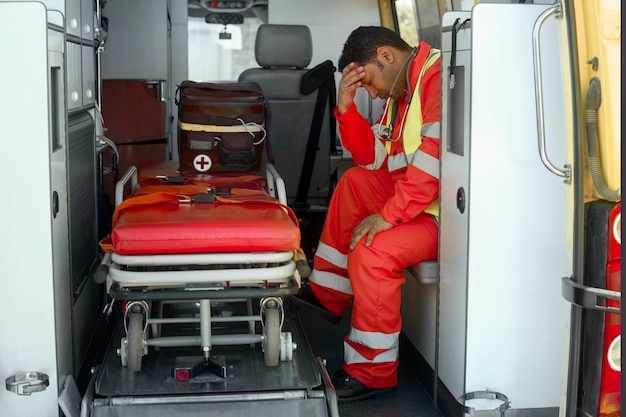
{"x":379,"y":76}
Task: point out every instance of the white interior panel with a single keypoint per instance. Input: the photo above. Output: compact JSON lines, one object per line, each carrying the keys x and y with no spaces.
{"x":502,"y":260}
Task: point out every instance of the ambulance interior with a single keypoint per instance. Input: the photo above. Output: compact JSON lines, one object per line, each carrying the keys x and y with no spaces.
{"x":172,"y":293}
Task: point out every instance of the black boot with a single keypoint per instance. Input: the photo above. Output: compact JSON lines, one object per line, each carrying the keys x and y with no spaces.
{"x":306,"y":296}
{"x":349,"y":389}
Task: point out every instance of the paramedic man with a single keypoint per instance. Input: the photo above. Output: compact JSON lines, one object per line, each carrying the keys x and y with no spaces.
{"x":382,"y":216}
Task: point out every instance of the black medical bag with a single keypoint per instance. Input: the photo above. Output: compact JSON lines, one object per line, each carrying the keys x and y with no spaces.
{"x":222,"y":127}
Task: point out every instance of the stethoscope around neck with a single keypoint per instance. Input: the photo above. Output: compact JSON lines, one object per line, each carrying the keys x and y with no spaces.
{"x":386,"y":131}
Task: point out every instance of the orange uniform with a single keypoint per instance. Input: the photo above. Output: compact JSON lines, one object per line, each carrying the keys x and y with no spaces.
{"x":398,"y":178}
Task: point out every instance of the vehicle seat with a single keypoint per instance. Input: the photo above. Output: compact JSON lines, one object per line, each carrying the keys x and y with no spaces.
{"x":426,"y":272}
{"x":283,"y":53}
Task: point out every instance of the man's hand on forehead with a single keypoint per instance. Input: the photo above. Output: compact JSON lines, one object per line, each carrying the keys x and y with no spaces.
{"x":351,"y":79}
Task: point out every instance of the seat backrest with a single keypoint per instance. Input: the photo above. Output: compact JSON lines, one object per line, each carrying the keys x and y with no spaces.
{"x":284,"y":53}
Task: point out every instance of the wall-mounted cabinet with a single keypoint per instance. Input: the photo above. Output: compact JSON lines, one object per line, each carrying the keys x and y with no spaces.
{"x":74,"y":75}
{"x":78,"y":18}
{"x":88,"y":74}
{"x":73,"y":18}
{"x":81,"y":77}
{"x":87,"y":21}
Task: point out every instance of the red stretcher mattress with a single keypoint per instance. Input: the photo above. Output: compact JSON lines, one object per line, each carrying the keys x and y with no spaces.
{"x":191,"y":228}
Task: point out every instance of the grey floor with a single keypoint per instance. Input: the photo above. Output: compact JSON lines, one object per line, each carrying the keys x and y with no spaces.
{"x":245,"y":368}
{"x":326,"y":341}
{"x":316,"y":338}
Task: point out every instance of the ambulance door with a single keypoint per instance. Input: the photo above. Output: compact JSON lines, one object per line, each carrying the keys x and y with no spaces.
{"x":503,"y":234}
{"x":35,"y":301}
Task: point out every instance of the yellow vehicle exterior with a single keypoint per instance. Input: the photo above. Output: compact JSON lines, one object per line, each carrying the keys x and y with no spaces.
{"x":598,"y":34}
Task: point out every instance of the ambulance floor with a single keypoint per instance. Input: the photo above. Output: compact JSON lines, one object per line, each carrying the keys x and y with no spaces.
{"x":245,"y":368}
{"x":247,"y":374}
{"x":326,"y":341}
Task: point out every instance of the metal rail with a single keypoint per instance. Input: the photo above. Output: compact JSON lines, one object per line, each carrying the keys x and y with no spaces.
{"x":566,"y":172}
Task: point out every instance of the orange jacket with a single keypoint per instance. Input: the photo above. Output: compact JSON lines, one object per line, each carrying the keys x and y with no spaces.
{"x":416,"y":189}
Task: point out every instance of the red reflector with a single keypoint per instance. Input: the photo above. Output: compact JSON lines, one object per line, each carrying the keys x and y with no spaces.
{"x":214,"y":4}
{"x":610,"y":386}
{"x":182,"y":375}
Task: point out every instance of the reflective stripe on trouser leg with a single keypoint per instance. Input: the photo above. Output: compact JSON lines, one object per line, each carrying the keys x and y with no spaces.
{"x":376,"y":277}
{"x":331,"y":269}
{"x":358,"y":194}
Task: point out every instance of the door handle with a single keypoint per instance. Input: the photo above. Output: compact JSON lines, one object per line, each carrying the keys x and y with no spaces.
{"x":566,"y":172}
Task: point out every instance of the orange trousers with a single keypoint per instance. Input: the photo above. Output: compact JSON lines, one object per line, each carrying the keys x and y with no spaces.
{"x":369,"y":278}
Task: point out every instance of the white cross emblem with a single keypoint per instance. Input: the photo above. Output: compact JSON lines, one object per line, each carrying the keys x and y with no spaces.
{"x":202,"y":163}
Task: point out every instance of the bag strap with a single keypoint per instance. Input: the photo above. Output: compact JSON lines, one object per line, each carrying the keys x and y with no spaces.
{"x":268,"y":122}
{"x":319,"y":78}
{"x":239,"y":196}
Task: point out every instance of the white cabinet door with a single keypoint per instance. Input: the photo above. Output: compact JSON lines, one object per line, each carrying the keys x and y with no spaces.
{"x":88,"y":75}
{"x":87,"y":13}
{"x":74,"y":75}
{"x":73,"y":17}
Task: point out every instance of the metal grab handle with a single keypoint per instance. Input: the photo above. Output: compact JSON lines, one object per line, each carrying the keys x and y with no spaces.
{"x":565,"y":173}
{"x":130,"y":175}
{"x":276,"y":184}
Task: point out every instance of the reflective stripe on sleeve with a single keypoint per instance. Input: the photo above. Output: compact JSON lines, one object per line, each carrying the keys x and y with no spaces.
{"x":432,"y":130}
{"x":380,"y":153}
{"x":426,"y":163}
{"x":397,"y":161}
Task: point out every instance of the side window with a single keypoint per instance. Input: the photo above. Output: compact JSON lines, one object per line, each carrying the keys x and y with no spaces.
{"x":414,"y":20}
{"x":406,"y":17}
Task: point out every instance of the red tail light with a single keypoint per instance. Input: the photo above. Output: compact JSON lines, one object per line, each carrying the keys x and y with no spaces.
{"x":610,"y":397}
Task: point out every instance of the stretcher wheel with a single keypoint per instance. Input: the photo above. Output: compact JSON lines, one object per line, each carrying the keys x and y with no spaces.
{"x":271,"y":333}
{"x":135,"y":341}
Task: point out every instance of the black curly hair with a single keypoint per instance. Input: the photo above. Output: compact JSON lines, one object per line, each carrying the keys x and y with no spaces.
{"x":361,"y":45}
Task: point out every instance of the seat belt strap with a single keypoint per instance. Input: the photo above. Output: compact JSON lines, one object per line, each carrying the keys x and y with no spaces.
{"x":324,"y":86}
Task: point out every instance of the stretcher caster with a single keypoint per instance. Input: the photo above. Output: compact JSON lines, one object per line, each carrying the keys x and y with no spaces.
{"x":133,"y":346}
{"x":271,"y":335}
{"x":134,"y":341}
{"x":277,"y":346}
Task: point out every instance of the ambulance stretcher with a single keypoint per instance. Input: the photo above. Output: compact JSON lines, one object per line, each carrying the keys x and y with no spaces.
{"x":204,"y":265}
